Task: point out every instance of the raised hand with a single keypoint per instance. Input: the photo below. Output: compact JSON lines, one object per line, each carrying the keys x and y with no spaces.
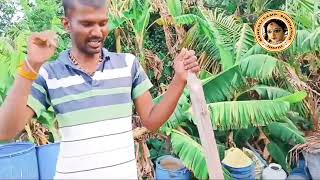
{"x":41,"y":47}
{"x":185,"y":62}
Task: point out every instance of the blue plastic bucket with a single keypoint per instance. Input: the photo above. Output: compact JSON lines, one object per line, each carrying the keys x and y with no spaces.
{"x":169,"y":167}
{"x":18,"y":161}
{"x":241,"y":173}
{"x":47,"y":160}
{"x":300,"y":172}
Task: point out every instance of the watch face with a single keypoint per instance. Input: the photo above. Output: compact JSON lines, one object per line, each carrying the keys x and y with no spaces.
{"x":275,"y":31}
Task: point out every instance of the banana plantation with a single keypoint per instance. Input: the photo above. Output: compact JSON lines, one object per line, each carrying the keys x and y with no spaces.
{"x":267,"y":102}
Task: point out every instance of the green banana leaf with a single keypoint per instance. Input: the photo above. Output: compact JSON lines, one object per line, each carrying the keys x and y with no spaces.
{"x":286,"y":134}
{"x":268,"y":92}
{"x":246,"y":42}
{"x":192,"y":155}
{"x":174,"y":7}
{"x":278,"y":155}
{"x":245,"y":114}
{"x":223,"y":86}
{"x":259,"y":66}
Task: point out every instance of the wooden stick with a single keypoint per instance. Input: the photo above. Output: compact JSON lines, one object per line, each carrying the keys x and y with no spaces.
{"x":200,"y":111}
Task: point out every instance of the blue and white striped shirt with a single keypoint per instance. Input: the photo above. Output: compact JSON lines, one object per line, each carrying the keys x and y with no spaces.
{"x":94,"y":114}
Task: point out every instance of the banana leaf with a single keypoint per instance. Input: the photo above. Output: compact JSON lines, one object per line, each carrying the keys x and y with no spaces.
{"x":245,"y":114}
{"x":192,"y":155}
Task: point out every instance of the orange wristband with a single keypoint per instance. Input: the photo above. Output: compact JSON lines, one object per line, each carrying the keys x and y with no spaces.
{"x":26,"y":74}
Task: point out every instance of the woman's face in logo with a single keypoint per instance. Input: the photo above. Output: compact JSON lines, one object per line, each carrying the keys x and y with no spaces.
{"x":275,"y":33}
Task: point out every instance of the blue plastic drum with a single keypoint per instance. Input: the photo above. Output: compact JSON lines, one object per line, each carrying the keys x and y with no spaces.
{"x":18,"y":161}
{"x":47,"y":160}
{"x":247,"y":173}
{"x":169,"y":167}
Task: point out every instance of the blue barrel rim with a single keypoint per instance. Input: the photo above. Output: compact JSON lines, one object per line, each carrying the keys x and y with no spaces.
{"x":235,"y":168}
{"x":46,"y":145}
{"x":183,"y":169}
{"x":17,"y":153}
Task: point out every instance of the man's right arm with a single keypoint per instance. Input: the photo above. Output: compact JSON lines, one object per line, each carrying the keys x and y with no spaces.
{"x":15,"y":113}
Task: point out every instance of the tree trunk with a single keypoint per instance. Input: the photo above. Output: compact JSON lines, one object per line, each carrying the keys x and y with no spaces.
{"x":118,"y":40}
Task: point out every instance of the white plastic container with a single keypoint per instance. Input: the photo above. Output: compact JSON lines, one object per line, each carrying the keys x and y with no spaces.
{"x":274,"y":171}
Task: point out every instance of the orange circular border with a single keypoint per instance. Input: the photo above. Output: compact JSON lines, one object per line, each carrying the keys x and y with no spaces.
{"x":276,"y":14}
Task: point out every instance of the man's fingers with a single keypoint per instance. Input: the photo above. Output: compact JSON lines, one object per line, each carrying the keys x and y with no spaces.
{"x":39,"y":40}
{"x":55,"y":40}
{"x":189,"y":53}
{"x":47,"y":38}
{"x":51,"y":37}
{"x":195,"y":69}
{"x":181,"y":55}
{"x":191,"y":65}
{"x":52,"y":43}
{"x":190,"y":60}
{"x":184,"y":50}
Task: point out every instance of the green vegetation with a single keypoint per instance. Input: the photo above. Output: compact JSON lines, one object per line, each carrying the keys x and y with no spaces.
{"x":267,"y":100}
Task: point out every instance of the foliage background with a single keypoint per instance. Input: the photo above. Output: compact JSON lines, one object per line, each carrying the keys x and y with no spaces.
{"x":264,"y":101}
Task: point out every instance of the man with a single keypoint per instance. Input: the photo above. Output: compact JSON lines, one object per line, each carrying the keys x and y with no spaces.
{"x":91,"y":90}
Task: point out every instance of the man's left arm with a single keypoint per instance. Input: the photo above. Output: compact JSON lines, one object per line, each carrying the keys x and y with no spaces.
{"x":153,"y":116}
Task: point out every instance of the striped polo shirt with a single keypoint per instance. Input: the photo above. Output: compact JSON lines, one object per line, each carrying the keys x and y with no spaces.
{"x":94,"y":114}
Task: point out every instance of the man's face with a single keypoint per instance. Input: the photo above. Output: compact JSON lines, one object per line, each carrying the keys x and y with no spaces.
{"x":275,"y":33}
{"x":88,"y":28}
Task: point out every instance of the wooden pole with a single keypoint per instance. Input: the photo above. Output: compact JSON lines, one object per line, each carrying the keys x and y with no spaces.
{"x":200,"y":111}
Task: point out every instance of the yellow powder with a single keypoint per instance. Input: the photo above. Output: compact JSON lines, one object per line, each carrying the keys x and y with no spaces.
{"x":236,"y":158}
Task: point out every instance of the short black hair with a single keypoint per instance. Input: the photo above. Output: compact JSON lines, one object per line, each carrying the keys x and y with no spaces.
{"x":69,"y":5}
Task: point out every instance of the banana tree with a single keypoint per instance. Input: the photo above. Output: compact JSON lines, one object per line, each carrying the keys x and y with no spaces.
{"x":216,"y":34}
{"x":306,"y":43}
{"x":220,"y":38}
{"x":135,"y":14}
{"x":234,"y":107}
{"x":139,"y":17}
{"x":118,"y":16}
{"x":168,"y":10}
{"x":246,"y":93}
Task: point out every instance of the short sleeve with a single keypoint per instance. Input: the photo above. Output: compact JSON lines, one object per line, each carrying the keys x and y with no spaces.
{"x":38,"y":99}
{"x":140,"y":81}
